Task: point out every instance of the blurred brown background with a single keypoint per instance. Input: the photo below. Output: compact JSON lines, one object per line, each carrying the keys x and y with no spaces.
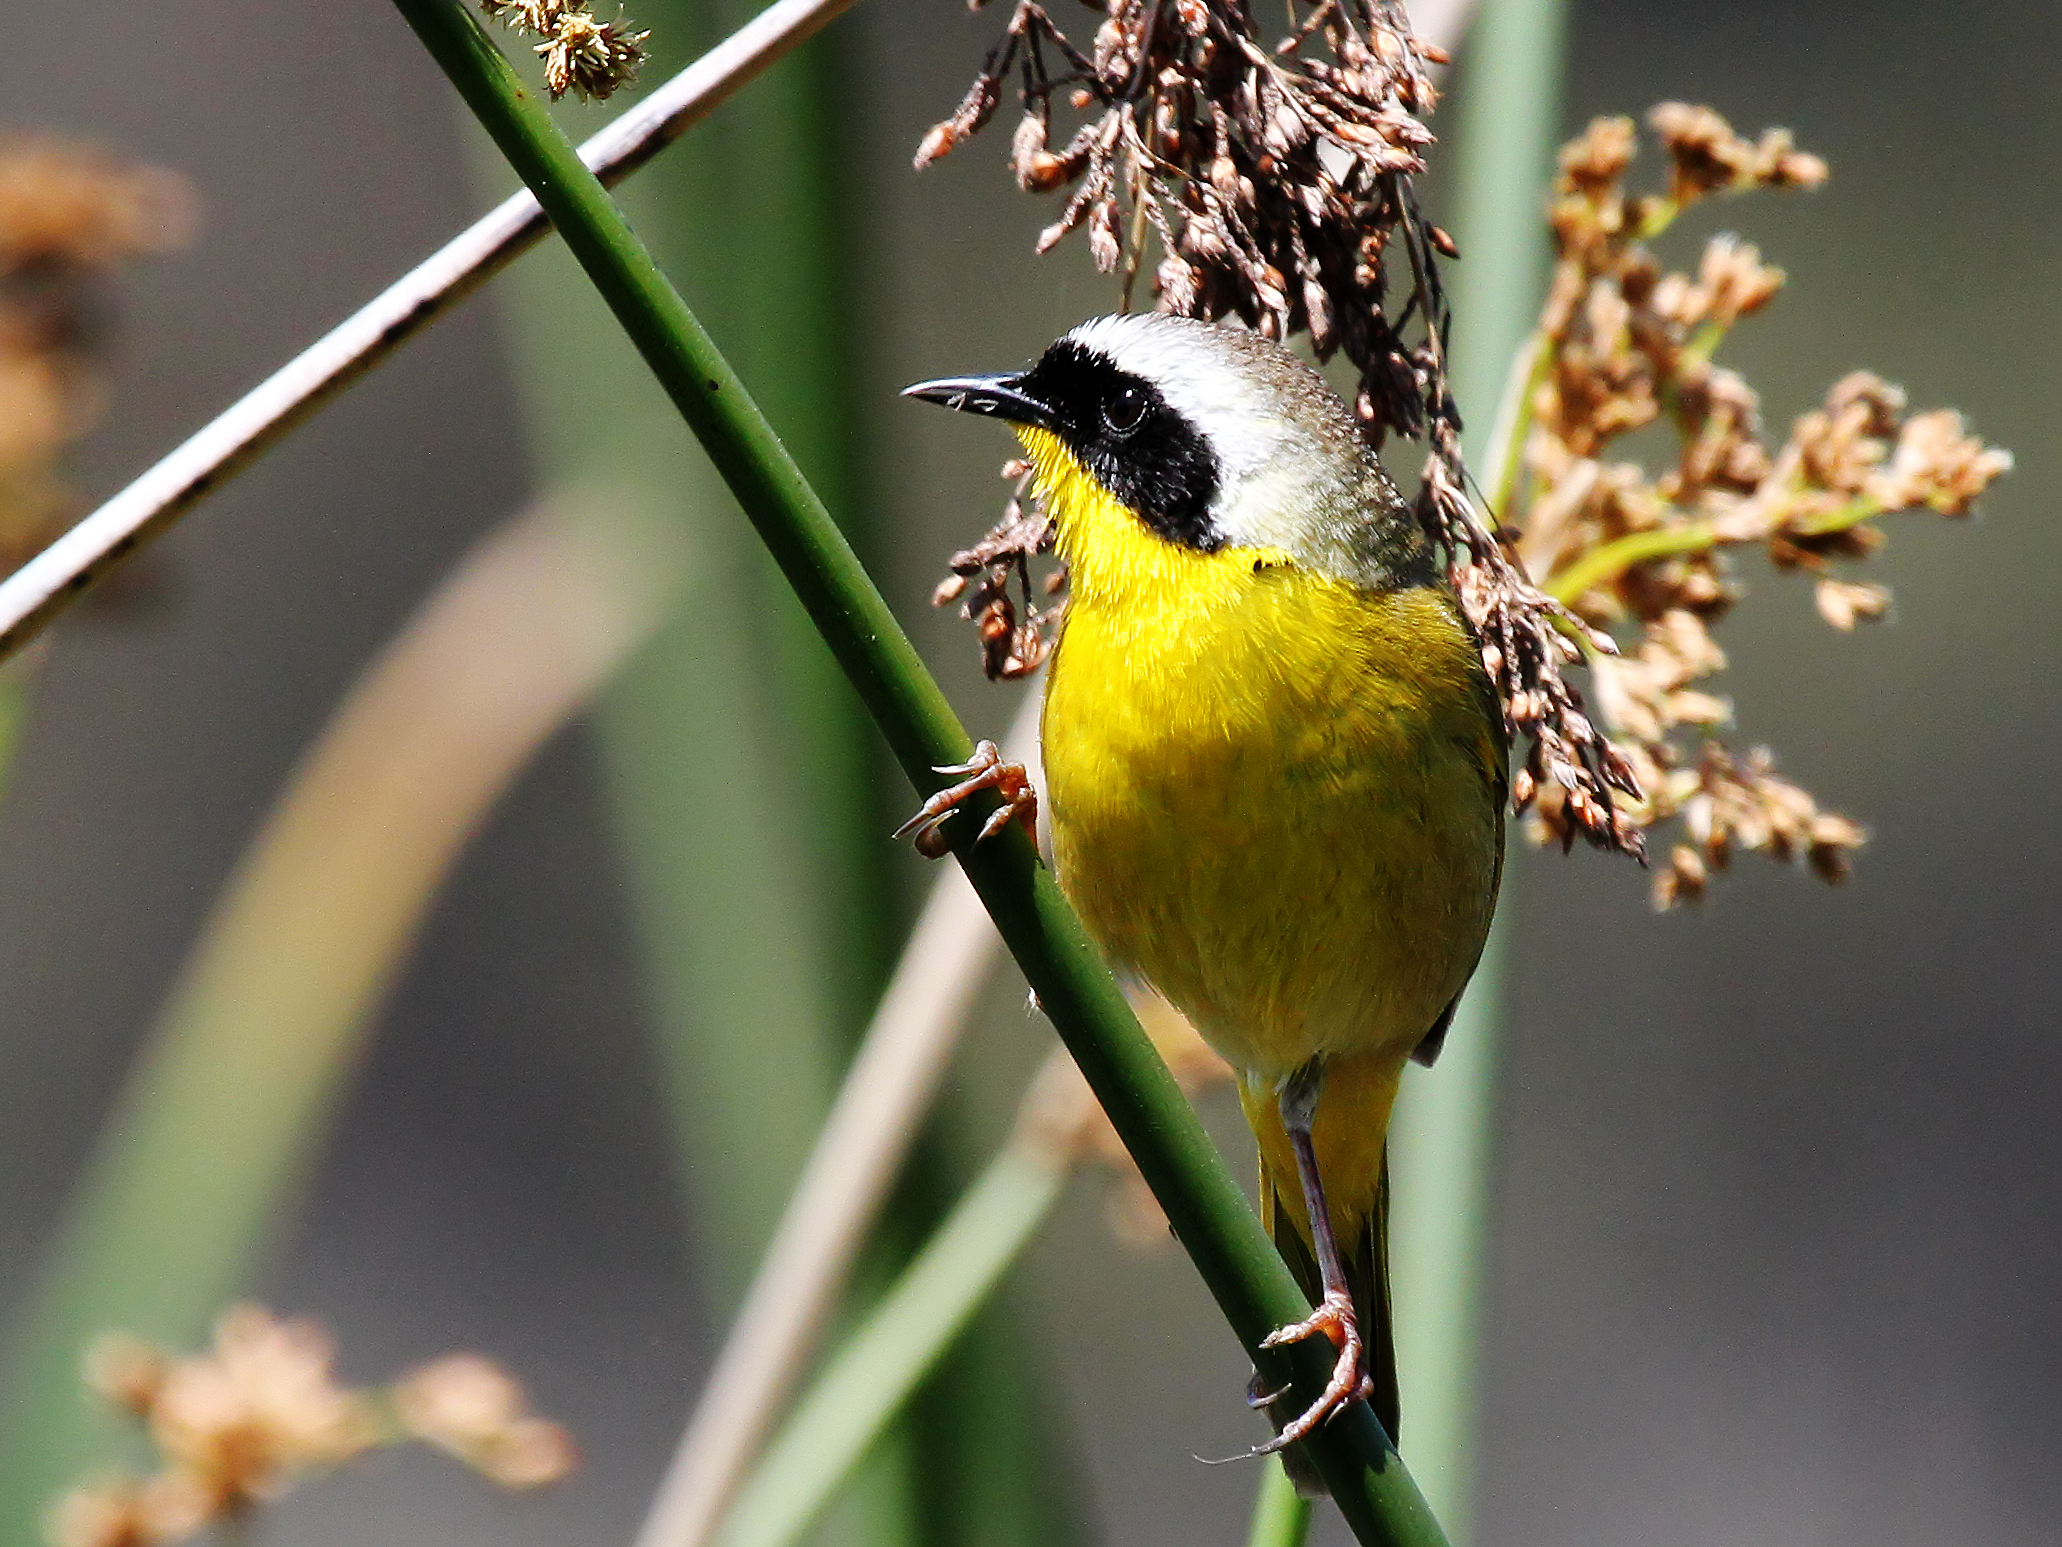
{"x":1777,"y":1245}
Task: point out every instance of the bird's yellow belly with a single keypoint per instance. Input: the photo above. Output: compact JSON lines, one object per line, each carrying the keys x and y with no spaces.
{"x":1257,"y":807}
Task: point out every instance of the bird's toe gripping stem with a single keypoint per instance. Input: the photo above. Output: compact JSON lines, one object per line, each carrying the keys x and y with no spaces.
{"x":1334,"y":1320}
{"x":985,"y":770}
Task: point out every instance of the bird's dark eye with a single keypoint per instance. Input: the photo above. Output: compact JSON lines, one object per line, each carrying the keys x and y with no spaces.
{"x":1124,"y":410}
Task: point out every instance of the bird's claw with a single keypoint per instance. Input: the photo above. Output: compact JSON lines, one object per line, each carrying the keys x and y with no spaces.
{"x":985,"y":770}
{"x":1334,"y":1320}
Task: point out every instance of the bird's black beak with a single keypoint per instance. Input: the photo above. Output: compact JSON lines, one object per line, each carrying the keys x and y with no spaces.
{"x":1002,"y":397}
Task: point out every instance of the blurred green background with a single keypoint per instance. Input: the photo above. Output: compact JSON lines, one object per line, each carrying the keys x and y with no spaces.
{"x":1777,"y":1229}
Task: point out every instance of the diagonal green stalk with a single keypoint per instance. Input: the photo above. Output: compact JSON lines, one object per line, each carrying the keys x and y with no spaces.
{"x":1281,"y":1515}
{"x":228,"y":1099}
{"x":1208,"y":1212}
{"x":894,"y":1348}
{"x":14,"y":711}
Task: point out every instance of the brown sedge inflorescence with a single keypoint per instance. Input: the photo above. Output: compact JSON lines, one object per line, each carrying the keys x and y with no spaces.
{"x":1624,"y":343}
{"x":582,"y":54}
{"x":239,"y":1424}
{"x":70,"y":218}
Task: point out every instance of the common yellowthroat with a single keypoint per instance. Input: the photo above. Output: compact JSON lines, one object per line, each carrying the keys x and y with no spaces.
{"x":1276,"y":771}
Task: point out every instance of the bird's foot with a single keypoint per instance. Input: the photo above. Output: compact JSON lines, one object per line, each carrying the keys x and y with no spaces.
{"x":985,"y":770}
{"x":1333,"y":1319}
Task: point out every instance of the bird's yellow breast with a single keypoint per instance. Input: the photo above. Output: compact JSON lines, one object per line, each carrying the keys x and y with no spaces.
{"x":1275,"y":795}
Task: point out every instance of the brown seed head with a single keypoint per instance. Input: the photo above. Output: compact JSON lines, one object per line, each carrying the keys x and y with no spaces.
{"x":70,"y":205}
{"x":68,"y":214}
{"x":472,"y":1409}
{"x":1624,"y":344}
{"x":235,"y":1426}
{"x":581,"y":53}
{"x":259,"y":1407}
{"x":126,"y":1372}
{"x":123,"y":1512}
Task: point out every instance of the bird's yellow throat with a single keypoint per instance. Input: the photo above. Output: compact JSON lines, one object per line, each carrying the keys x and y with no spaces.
{"x":1111,"y":555}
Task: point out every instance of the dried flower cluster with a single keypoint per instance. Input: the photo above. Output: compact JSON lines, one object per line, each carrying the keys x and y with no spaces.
{"x":68,"y":217}
{"x":1623,"y":344}
{"x":1275,"y":181}
{"x":1263,"y":172}
{"x":472,"y":1409}
{"x":1016,"y":637}
{"x":238,"y":1425}
{"x":581,"y":54}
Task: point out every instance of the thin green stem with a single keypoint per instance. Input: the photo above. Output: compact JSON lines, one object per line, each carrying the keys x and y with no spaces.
{"x":1853,"y":513}
{"x":1703,"y":344}
{"x":1659,"y":215}
{"x":1607,"y":563}
{"x":1208,"y":1212}
{"x":1506,"y":454}
{"x":1614,"y":558}
{"x":891,"y":1352}
{"x":1281,"y":1515}
{"x":14,"y":712}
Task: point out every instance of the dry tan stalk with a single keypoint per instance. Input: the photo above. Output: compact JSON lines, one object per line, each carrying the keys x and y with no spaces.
{"x":853,"y":1163}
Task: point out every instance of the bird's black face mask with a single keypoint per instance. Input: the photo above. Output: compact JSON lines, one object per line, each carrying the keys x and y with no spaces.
{"x":1118,"y":426}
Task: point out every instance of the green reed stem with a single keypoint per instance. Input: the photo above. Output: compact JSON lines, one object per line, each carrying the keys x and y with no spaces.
{"x":1601,"y":565}
{"x":1209,"y":1214}
{"x":899,"y":1342}
{"x":1281,"y":1515}
{"x":1614,"y":558}
{"x":228,"y":1099}
{"x":14,"y":712}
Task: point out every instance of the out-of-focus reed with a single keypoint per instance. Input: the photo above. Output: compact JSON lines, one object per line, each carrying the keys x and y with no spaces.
{"x":229,"y":1098}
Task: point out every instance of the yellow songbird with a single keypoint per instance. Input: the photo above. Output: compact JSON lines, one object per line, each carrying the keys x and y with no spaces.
{"x":1275,"y":769}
